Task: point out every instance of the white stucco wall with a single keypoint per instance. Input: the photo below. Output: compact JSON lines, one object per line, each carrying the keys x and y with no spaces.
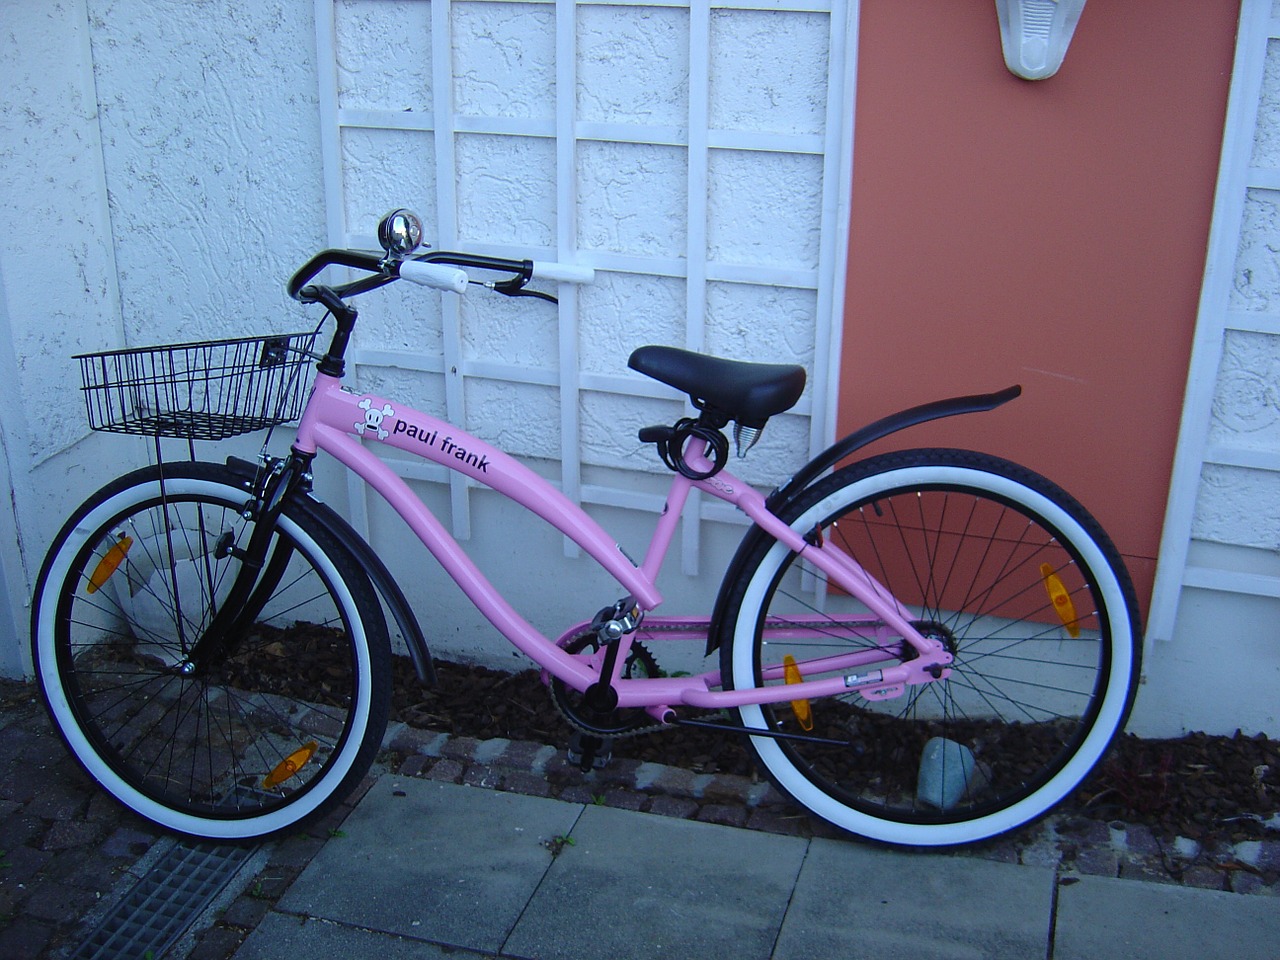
{"x":1238,"y":506}
{"x":484,"y":167}
{"x":1217,"y":665}
{"x":211,"y":151}
{"x":182,"y":141}
{"x":159,"y":178}
{"x":1237,"y":513}
{"x":161,"y":183}
{"x":56,"y":242}
{"x":58,"y":292}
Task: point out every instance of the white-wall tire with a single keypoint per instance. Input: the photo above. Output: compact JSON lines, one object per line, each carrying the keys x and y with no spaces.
{"x":244,"y":710}
{"x":1017,"y":673}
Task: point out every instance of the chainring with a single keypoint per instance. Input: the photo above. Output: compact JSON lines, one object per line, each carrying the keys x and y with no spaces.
{"x":616,"y":723}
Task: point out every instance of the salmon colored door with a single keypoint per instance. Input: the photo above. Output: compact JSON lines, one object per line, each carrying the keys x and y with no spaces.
{"x":1047,"y":233}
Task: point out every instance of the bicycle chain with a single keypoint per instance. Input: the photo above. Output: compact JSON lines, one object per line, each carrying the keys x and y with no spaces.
{"x":648,"y":725}
{"x":582,"y":727}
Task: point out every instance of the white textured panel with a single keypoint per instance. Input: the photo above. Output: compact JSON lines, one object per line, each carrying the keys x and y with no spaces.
{"x":504,"y":59}
{"x":519,"y":331}
{"x":769,"y":70}
{"x":611,"y":423}
{"x":212,"y":160}
{"x":1228,"y":413}
{"x":1246,"y":405}
{"x":1237,"y":506}
{"x":1257,"y":267}
{"x":385,"y":169}
{"x":633,"y":64}
{"x":768,"y":324}
{"x":522,"y":419}
{"x":59,"y":284}
{"x":780,"y":451}
{"x":632,"y":198}
{"x":622,"y":311}
{"x":423,"y":391}
{"x":1266,"y":139}
{"x":384,"y":54}
{"x":401,"y":316}
{"x":765,"y":208}
{"x":506,"y":190}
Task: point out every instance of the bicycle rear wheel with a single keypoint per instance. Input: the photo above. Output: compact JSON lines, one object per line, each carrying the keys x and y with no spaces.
{"x":1011,"y":575}
{"x":271,"y":734}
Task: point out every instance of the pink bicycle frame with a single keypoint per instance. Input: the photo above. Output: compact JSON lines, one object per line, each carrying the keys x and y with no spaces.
{"x":335,"y":420}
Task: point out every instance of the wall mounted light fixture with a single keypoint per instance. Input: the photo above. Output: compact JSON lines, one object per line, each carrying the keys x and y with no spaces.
{"x":1035,"y":34}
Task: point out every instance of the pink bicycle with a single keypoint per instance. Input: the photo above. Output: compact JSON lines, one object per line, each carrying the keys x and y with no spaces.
{"x":927,"y":647}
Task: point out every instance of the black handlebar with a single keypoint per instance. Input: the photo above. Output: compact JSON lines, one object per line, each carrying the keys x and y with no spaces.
{"x":361,"y":260}
{"x":385,"y":270}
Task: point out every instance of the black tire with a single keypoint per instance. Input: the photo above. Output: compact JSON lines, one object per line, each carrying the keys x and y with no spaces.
{"x":131,"y":581}
{"x":984,"y":554}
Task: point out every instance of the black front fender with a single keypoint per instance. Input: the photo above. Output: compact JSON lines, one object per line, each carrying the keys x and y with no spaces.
{"x":383,"y":582}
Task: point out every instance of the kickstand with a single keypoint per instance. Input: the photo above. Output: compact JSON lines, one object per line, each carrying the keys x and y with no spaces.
{"x":589,"y":752}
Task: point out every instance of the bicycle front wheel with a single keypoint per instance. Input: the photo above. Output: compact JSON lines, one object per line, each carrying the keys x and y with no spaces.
{"x":264,"y":737}
{"x":1011,"y":575}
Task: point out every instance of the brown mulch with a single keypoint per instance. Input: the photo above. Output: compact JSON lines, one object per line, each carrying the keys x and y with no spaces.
{"x":1208,"y":788}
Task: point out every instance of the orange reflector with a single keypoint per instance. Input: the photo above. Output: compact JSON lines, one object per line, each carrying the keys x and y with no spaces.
{"x":1061,"y":600}
{"x":803,"y":712}
{"x":290,"y":765}
{"x":109,"y":563}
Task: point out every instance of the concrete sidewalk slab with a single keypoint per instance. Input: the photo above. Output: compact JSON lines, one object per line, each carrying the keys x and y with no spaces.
{"x":424,"y":869}
{"x":288,"y":936}
{"x":1102,"y":917}
{"x":892,"y":904}
{"x":434,"y":861}
{"x":635,"y":885}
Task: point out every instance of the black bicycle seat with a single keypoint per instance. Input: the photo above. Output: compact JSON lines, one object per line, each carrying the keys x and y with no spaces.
{"x":749,"y":393}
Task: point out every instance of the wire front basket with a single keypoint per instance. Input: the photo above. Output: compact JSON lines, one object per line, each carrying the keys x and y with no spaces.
{"x":198,"y":391}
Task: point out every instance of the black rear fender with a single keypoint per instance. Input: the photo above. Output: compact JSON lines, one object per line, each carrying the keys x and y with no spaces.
{"x":781,"y":498}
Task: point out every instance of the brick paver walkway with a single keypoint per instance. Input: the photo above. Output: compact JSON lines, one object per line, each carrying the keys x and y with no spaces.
{"x":68,"y":852}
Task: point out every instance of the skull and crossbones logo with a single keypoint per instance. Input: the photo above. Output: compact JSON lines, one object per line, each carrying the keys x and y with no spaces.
{"x":373,"y":418}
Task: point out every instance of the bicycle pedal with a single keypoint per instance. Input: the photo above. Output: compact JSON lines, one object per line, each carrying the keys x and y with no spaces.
{"x":589,"y":753}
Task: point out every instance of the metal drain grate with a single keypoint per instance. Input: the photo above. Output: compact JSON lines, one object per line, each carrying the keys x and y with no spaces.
{"x":165,"y":902}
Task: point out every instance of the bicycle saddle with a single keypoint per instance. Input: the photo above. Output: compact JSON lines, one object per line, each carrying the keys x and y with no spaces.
{"x":749,"y":393}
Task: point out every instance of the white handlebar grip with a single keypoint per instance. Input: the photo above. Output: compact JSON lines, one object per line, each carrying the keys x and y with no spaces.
{"x":434,"y":275}
{"x":564,"y":272}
